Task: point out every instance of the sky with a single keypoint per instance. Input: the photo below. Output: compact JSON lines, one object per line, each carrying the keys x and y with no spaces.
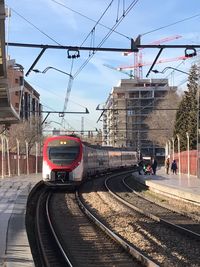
{"x":73,"y":23}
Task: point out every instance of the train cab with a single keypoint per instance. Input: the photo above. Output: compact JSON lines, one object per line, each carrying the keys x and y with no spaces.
{"x":62,"y":158}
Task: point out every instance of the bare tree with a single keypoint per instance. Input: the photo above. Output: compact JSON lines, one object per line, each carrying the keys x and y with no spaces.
{"x":28,"y":131}
{"x":162,"y":118}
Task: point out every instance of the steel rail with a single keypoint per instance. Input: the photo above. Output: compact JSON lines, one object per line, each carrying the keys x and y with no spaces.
{"x":39,"y":237}
{"x":130,"y":249}
{"x":150,"y":215}
{"x":40,"y":242}
{"x":54,"y":233}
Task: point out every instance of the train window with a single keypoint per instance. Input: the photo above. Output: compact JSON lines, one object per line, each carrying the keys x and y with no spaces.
{"x":63,"y":155}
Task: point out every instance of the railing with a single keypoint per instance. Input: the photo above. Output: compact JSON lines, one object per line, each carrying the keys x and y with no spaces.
{"x":12,"y":164}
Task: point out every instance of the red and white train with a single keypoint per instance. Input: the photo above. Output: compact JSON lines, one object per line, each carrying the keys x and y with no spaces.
{"x":68,"y":160}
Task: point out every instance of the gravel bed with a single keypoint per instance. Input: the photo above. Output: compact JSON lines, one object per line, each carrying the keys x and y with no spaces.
{"x":163,"y":245}
{"x":85,"y":243}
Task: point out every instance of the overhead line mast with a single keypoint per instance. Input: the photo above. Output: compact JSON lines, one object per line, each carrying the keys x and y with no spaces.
{"x":190,"y":50}
{"x":138,"y":57}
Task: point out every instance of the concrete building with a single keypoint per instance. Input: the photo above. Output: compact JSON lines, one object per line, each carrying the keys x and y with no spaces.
{"x":126,"y":110}
{"x":8,"y":114}
{"x":24,"y":98}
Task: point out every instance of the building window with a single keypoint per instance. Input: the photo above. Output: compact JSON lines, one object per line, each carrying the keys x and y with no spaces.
{"x":130,"y":112}
{"x":134,"y":94}
{"x":146,"y":94}
{"x":159,"y":94}
{"x":120,"y":95}
{"x":16,"y":92}
{"x":17,"y":105}
{"x":16,"y":80}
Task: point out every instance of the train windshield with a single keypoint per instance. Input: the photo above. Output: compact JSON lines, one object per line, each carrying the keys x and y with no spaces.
{"x":63,"y":155}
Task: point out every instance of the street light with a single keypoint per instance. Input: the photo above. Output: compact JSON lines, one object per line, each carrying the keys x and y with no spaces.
{"x":48,"y":68}
{"x":163,"y":71}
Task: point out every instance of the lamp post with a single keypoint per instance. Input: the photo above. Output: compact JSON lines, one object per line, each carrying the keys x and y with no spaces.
{"x":179,"y":154}
{"x":69,"y":86}
{"x":165,"y":69}
{"x":188,"y":149}
{"x":48,"y":68}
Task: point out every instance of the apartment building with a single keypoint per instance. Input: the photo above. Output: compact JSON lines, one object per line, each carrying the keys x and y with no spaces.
{"x":23,"y":97}
{"x":126,"y":110}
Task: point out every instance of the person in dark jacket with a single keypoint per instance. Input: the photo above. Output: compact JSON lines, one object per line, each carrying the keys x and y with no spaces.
{"x":140,"y":166}
{"x":154,"y":166}
{"x":174,"y":166}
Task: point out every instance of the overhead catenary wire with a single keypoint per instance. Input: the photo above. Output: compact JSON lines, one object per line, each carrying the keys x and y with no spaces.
{"x":171,"y":24}
{"x":97,"y":22}
{"x":101,"y":43}
{"x":37,"y":28}
{"x":70,"y":82}
{"x":107,"y":36}
{"x":86,"y":17}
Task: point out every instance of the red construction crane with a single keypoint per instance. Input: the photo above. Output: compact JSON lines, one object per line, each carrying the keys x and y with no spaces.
{"x":130,"y":74}
{"x":139,"y":65}
{"x":138,"y":55}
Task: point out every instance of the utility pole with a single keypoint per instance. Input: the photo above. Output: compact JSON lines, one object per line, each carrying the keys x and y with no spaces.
{"x":82,"y":126}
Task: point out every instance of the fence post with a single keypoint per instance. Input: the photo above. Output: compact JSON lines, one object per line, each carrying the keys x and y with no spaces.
{"x":188,"y":149}
{"x":2,"y":157}
{"x":179,"y":154}
{"x":18,"y":166}
{"x":169,"y":146}
{"x":172,"y":148}
{"x":27,"y":162}
{"x":36,"y":157}
{"x":8,"y":155}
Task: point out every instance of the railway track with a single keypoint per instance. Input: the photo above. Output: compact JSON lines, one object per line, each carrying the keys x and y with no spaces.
{"x":175,"y":203}
{"x":64,"y":236}
{"x":45,"y":246}
{"x":178,"y":221}
{"x":163,"y":244}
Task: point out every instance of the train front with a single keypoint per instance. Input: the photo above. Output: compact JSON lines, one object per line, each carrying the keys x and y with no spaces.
{"x":62,"y":160}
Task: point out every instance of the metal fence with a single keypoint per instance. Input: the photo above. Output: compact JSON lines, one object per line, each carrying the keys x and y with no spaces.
{"x":19,"y":162}
{"x":13,"y":164}
{"x":187,"y":162}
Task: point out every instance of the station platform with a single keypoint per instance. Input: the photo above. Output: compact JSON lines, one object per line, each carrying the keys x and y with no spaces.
{"x":174,"y":185}
{"x":14,"y":246}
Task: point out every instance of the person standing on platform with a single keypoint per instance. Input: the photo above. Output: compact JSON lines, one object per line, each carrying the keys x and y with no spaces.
{"x":167,"y":164}
{"x":154,"y":166}
{"x":174,"y":166}
{"x":140,"y":166}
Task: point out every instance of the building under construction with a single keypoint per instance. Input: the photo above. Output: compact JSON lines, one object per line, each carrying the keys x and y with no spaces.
{"x":126,"y":110}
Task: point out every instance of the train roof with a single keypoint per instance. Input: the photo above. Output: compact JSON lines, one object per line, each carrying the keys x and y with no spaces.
{"x":107,"y":147}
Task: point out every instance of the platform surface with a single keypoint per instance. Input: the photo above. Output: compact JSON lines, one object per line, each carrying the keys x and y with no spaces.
{"x":14,"y":246}
{"x":180,"y":185}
